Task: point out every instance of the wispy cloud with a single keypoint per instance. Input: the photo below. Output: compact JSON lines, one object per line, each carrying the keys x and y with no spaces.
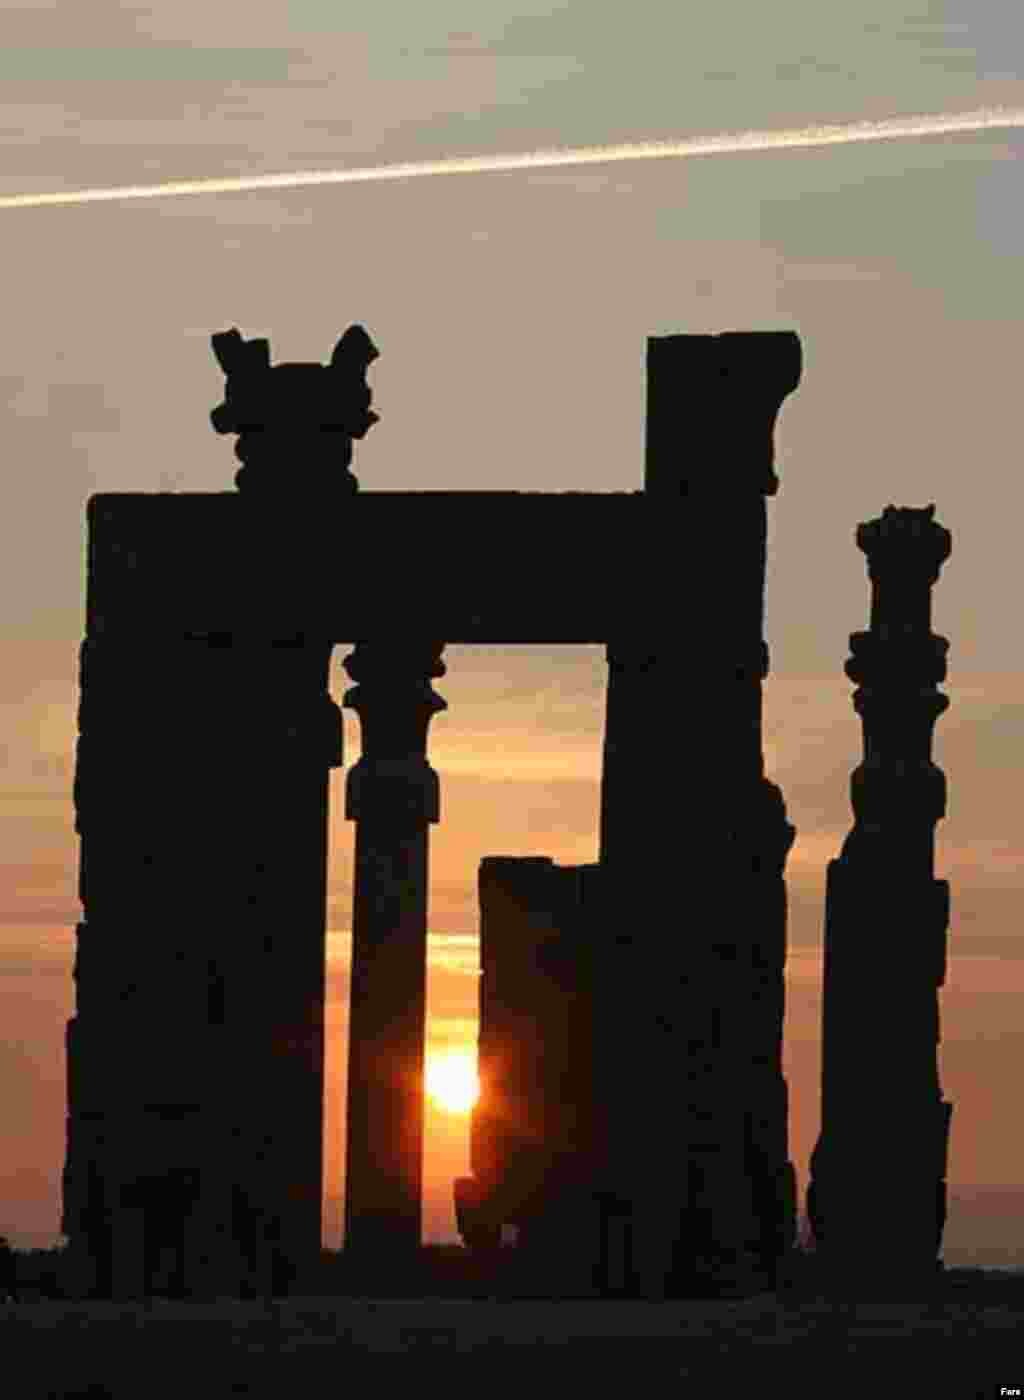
{"x":729,"y":143}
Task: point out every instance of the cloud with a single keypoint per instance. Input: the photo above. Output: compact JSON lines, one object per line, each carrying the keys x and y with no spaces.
{"x":734,"y":143}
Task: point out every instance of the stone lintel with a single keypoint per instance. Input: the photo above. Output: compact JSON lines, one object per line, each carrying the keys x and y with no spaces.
{"x":469,"y":566}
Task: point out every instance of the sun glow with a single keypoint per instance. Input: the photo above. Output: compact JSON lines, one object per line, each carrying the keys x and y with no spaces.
{"x":452,"y":1081}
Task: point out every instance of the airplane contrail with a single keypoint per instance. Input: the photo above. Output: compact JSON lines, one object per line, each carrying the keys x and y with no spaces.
{"x":734,"y":143}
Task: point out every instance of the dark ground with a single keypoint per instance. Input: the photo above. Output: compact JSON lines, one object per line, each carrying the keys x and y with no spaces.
{"x":964,"y":1342}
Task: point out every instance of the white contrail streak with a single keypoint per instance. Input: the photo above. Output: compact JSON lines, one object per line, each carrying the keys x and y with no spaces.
{"x":734,"y":143}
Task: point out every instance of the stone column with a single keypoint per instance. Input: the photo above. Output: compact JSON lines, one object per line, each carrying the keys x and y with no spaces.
{"x":683,"y":735}
{"x":392,"y":795}
{"x":877,"y":1195}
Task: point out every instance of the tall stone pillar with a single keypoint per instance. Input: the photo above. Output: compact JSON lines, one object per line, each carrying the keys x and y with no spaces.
{"x":683,"y":733}
{"x":877,"y":1194}
{"x":392,"y":794}
{"x":195,"y":1055}
{"x":200,"y":964}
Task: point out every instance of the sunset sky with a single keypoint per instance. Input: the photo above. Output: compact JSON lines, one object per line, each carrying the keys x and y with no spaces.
{"x":511,"y":312}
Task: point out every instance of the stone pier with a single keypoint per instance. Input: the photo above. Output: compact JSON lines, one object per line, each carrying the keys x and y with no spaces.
{"x":693,"y":837}
{"x":877,"y":1194}
{"x":195,"y":1055}
{"x":677,"y":952}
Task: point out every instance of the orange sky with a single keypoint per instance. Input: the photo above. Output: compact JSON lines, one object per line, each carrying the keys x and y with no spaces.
{"x":518,"y":752}
{"x":511,"y":313}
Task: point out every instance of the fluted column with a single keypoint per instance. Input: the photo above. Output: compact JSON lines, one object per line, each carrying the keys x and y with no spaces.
{"x":392,"y":795}
{"x":877,"y":1193}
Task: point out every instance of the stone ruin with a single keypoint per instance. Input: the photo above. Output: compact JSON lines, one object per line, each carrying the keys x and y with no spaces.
{"x":878,"y":1170}
{"x":646,"y":1147}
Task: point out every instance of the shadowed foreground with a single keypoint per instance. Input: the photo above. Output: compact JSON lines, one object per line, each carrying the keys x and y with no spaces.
{"x":964,"y":1342}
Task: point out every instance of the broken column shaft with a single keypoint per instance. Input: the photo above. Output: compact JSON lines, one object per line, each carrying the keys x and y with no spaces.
{"x":877,"y":1195}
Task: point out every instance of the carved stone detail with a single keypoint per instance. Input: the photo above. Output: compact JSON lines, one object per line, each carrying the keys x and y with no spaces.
{"x":878,"y":1169}
{"x":296,"y":422}
{"x":392,"y":796}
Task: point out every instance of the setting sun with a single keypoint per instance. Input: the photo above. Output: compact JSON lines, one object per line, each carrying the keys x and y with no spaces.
{"x":452,"y":1081}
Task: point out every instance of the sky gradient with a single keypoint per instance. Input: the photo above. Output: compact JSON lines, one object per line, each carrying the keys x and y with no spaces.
{"x":511,"y":312}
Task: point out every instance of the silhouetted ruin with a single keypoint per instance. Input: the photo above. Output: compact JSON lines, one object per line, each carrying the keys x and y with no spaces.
{"x":391,"y":794}
{"x":195,"y":1056}
{"x":632,"y":1124}
{"x":878,"y":1171}
{"x":669,"y":981}
{"x":536,"y":1148}
{"x":295,"y":422}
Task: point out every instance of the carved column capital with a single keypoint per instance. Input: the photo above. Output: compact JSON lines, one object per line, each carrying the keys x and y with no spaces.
{"x":295,"y":422}
{"x":897,"y":664}
{"x":904,"y":542}
{"x":401,"y":661}
{"x":395,"y":703}
{"x":883,"y":903}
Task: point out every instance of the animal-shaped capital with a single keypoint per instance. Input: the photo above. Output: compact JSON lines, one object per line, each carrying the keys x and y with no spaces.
{"x":288,"y":413}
